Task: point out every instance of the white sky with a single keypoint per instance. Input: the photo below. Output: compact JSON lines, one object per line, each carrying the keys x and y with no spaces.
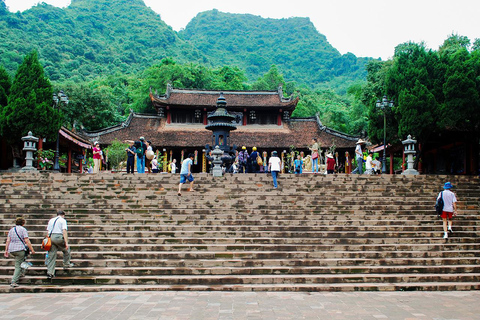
{"x":367,"y":28}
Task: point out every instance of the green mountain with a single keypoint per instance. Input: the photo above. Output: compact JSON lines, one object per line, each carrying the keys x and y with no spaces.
{"x":92,"y":38}
{"x":254,"y":44}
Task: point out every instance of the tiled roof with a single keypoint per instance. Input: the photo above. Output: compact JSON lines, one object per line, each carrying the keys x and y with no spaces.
{"x":235,"y":99}
{"x":297,"y":132}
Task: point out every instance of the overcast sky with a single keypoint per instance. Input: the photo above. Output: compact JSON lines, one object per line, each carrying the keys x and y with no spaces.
{"x":367,"y":28}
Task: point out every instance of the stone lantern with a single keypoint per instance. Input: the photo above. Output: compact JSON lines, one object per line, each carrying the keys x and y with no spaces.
{"x":221,"y":123}
{"x":30,"y":146}
{"x":217,"y":154}
{"x":409,"y":151}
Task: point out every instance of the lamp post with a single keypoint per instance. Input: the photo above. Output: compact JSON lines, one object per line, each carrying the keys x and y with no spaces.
{"x":383,"y":106}
{"x":58,"y":98}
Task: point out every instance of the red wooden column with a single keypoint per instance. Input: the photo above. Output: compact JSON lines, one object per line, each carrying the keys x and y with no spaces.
{"x":244,"y":117}
{"x":169,"y":115}
{"x":205,"y":121}
{"x":69,"y":161}
{"x":420,"y":166}
{"x":391,"y":162}
{"x":279,"y":117}
{"x":40,"y":146}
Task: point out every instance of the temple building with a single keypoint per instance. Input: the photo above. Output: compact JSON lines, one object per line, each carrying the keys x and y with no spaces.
{"x":262,"y":118}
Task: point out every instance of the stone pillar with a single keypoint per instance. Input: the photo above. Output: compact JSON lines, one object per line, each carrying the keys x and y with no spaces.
{"x":30,"y":147}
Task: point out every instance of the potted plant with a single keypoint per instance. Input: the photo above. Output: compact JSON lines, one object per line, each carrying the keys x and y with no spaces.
{"x":45,"y":159}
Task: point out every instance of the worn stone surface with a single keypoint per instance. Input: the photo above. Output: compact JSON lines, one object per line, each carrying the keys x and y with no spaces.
{"x":235,"y":233}
{"x":241,"y":305}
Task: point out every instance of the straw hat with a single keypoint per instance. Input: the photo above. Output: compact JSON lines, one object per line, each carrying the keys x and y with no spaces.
{"x":330,"y":156}
{"x":361,"y":141}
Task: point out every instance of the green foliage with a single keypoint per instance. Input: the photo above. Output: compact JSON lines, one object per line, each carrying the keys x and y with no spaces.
{"x":90,"y":107}
{"x":116,"y":153}
{"x":30,"y":104}
{"x":107,"y":37}
{"x":432,"y":90}
{"x":46,"y":158}
{"x":5,"y":84}
{"x":107,"y":54}
{"x":90,"y":37}
{"x":254,"y":44}
{"x":332,"y":109}
{"x":270,"y":80}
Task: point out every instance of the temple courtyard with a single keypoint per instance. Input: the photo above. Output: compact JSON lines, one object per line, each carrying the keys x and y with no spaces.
{"x":241,"y":305}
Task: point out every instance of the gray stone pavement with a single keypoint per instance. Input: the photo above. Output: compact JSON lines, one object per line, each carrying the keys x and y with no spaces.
{"x":241,"y":305}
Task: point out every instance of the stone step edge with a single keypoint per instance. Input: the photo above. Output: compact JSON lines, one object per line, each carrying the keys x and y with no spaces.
{"x":344,"y":287}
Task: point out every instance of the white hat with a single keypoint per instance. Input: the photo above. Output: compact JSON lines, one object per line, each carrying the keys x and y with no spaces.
{"x":360,"y":141}
{"x":330,"y":156}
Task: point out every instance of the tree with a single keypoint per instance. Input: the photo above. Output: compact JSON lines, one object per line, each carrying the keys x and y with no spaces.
{"x":461,"y":105}
{"x":270,"y":80}
{"x":30,"y":104}
{"x":5,"y":84}
{"x":229,"y":78}
{"x":90,"y":108}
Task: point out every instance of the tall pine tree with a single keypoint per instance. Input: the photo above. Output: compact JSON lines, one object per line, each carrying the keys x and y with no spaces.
{"x":5,"y":84}
{"x":30,"y":104}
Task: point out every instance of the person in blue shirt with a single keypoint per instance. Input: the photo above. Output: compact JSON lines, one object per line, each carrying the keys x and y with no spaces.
{"x":186,"y":173}
{"x":298,"y":165}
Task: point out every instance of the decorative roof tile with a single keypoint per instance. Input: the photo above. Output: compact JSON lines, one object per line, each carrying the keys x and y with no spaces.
{"x":235,"y":99}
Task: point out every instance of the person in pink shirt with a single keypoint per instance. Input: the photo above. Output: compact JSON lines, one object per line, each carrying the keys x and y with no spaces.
{"x":97,"y":157}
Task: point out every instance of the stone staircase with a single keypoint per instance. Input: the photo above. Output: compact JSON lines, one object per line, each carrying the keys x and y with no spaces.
{"x":316,"y":233}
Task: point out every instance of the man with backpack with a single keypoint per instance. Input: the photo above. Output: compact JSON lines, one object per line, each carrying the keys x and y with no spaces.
{"x":449,"y":208}
{"x":242,"y":160}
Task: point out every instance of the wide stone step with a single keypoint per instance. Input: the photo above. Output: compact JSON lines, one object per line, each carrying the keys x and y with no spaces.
{"x":258,"y":254}
{"x":265,"y":279}
{"x":79,"y":241}
{"x":340,"y":287}
{"x":278,"y":248}
{"x":97,"y":271}
{"x":144,"y":262}
{"x":237,"y":233}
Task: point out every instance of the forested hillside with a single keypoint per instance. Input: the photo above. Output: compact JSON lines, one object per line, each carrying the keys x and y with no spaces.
{"x":254,"y":44}
{"x":92,"y":38}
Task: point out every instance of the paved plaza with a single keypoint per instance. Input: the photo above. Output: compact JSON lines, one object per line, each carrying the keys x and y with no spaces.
{"x":241,"y":305}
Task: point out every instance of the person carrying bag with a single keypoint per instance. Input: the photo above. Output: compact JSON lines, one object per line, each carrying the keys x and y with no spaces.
{"x":19,"y":246}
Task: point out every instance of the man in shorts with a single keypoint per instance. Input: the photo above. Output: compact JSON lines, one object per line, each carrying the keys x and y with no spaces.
{"x":449,"y":208}
{"x":186,"y":173}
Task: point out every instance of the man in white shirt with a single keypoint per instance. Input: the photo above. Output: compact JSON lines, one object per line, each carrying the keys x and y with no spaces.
{"x":57,"y":230}
{"x":449,"y":208}
{"x":186,"y":173}
{"x":274,"y":165}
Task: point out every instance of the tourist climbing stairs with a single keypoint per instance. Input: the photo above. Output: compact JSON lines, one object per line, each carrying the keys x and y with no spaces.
{"x":237,"y":233}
